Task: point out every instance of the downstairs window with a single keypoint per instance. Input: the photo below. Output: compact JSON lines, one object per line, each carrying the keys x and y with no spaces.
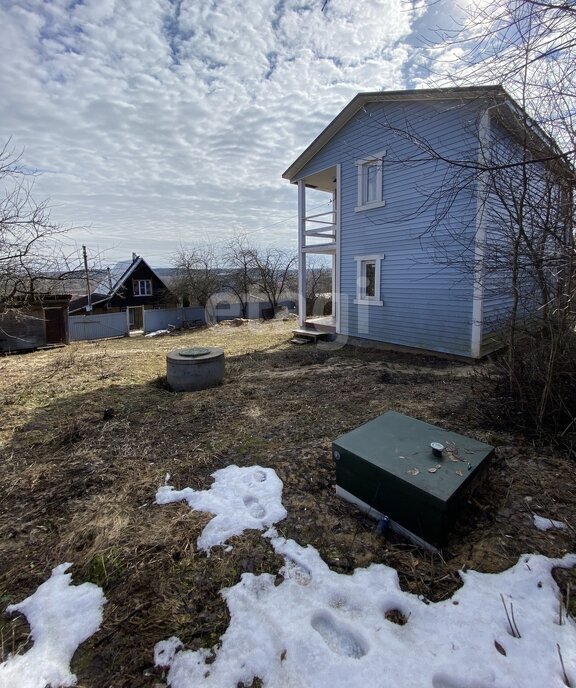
{"x":368,"y":269}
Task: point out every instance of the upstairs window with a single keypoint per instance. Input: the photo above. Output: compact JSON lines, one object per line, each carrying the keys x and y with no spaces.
{"x":370,"y":193}
{"x":370,"y":171}
{"x":142,"y":287}
{"x":368,"y":269}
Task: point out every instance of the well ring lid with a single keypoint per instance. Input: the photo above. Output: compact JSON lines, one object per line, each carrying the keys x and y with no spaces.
{"x":194,"y":352}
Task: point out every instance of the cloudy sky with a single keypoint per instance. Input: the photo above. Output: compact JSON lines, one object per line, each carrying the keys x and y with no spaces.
{"x":159,"y":122}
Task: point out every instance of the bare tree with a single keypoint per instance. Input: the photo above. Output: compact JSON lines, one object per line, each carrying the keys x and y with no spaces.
{"x":198,"y":276}
{"x":240,"y":275}
{"x":498,"y":202}
{"x":318,"y":283}
{"x":525,"y":184}
{"x":273,"y":269}
{"x":32,"y":260}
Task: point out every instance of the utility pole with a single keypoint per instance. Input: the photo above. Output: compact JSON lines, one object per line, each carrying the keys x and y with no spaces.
{"x":89,"y":296}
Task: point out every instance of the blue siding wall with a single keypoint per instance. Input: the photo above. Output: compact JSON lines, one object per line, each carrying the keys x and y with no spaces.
{"x":497,"y":297}
{"x":426,"y":287}
{"x":533,"y":190}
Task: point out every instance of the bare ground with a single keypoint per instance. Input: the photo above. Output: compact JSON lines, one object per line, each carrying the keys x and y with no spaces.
{"x":90,"y":431}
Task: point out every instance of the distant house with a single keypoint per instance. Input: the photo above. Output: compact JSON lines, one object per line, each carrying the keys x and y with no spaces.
{"x":130,"y":286}
{"x":397,"y":238}
{"x":43,"y":321}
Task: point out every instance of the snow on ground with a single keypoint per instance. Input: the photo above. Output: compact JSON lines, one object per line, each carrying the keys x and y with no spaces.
{"x":241,"y":499}
{"x":157,"y":333}
{"x":61,"y":616}
{"x":319,"y":628}
{"x":543,"y":523}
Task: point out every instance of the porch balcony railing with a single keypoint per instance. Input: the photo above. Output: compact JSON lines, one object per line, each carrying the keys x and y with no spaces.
{"x":322,"y":226}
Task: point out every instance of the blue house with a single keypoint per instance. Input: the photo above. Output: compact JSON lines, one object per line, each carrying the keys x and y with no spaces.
{"x":411,"y":213}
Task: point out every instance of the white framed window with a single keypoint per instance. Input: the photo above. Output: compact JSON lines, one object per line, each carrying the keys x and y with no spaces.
{"x":370,"y":191}
{"x":368,"y":269}
{"x":142,"y":287}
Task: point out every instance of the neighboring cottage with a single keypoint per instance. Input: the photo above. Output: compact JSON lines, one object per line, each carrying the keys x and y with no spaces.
{"x":41,"y":322}
{"x":130,"y":286}
{"x":407,"y":237}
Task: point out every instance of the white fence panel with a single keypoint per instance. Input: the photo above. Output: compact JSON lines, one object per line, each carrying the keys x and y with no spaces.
{"x":222,"y":310}
{"x":99,"y":326}
{"x":159,"y":319}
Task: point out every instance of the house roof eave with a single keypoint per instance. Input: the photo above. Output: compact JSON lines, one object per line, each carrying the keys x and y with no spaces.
{"x":81,"y":302}
{"x":125,"y":276}
{"x":364,"y":98}
{"x":536,"y":139}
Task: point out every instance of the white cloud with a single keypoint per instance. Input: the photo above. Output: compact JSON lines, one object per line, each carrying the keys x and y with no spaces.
{"x":160,"y":120}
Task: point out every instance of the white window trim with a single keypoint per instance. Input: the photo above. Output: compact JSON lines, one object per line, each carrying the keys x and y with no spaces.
{"x":360,"y":164}
{"x":139,"y":290}
{"x":361,"y":299}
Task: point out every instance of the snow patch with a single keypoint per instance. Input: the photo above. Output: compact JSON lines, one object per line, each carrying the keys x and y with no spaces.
{"x":157,"y":333}
{"x":319,"y":628}
{"x":240,"y":498}
{"x":61,"y":617}
{"x":165,"y":650}
{"x":548,"y":524}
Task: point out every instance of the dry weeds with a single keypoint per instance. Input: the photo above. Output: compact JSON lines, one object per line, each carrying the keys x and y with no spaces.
{"x":90,"y":431}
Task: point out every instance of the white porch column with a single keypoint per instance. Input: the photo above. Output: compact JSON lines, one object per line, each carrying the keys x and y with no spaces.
{"x":301,"y":253}
{"x":336,"y":263}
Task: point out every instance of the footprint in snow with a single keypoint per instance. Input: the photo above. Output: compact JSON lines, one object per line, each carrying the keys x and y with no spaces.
{"x":444,"y":681}
{"x":257,"y":476}
{"x":255,"y":509}
{"x":337,"y":637}
{"x":299,"y":574}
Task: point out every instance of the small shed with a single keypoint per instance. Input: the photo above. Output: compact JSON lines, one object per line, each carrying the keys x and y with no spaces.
{"x":41,"y":322}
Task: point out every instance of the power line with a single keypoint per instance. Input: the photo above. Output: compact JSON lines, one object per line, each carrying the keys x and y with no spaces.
{"x":287,"y":219}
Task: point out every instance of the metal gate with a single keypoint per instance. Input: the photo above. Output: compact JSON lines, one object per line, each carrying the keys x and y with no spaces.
{"x":99,"y":326}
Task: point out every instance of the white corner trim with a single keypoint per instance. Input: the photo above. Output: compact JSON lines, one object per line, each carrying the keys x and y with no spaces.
{"x":337,"y":301}
{"x":479,"y":241}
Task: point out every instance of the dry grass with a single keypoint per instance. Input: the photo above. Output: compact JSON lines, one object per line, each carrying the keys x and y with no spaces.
{"x":90,"y":431}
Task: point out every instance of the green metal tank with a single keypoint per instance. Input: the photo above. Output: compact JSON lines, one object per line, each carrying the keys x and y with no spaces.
{"x":416,"y":474}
